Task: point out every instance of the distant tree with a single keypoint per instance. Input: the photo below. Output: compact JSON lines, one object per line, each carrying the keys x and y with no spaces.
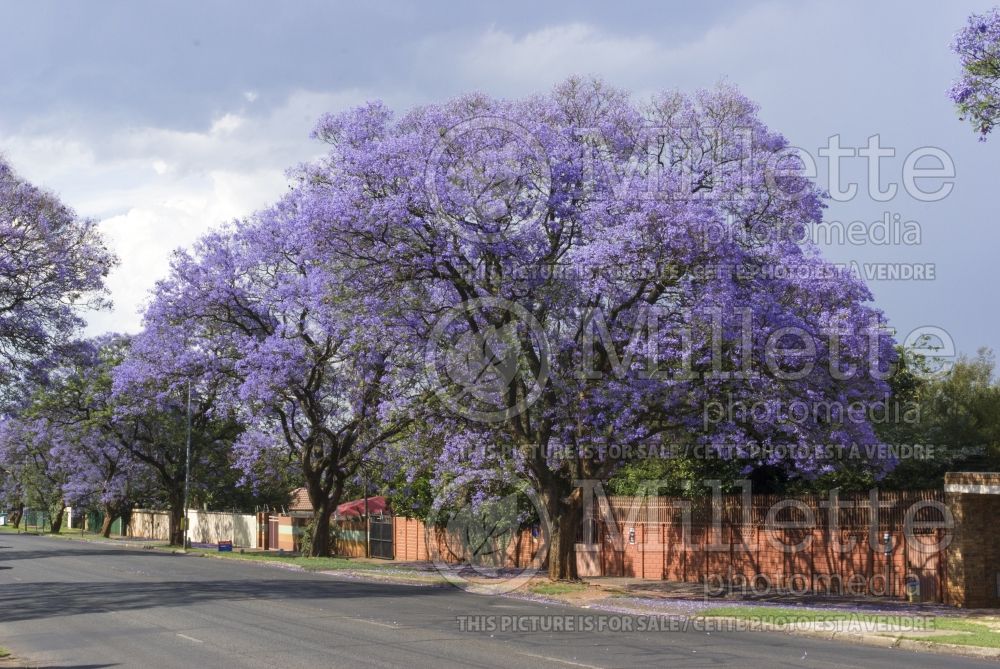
{"x":150,"y":393}
{"x":955,"y":413}
{"x":977,"y":92}
{"x":410,"y":493}
{"x":60,"y":443}
{"x":963,"y":411}
{"x":28,"y":451}
{"x":269,"y":315}
{"x":11,"y":491}
{"x":101,"y":472}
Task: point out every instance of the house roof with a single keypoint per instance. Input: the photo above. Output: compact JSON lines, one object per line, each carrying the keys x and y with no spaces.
{"x":355,"y":507}
{"x":300,"y":501}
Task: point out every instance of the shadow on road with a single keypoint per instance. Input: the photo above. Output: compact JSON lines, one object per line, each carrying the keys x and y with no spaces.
{"x":29,"y":601}
{"x":72,"y":553}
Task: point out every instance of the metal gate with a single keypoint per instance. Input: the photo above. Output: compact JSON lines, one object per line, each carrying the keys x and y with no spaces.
{"x":380,"y":537}
{"x":273,"y":532}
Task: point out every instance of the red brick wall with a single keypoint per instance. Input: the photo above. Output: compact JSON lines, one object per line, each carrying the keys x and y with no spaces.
{"x":973,"y":571}
{"x":659,"y":554}
{"x":411,"y":537}
{"x":722,"y":555}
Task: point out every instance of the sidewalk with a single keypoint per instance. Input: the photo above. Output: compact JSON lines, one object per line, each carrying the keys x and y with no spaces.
{"x":873,"y":621}
{"x":677,"y":591}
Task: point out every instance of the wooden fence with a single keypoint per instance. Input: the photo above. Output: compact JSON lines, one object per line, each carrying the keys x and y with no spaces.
{"x":349,"y":537}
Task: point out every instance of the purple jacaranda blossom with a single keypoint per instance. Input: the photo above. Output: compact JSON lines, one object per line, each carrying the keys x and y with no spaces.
{"x":27,"y":446}
{"x":585,"y":271}
{"x":67,"y":425}
{"x":266,"y":314}
{"x":52,"y":265}
{"x":976,"y":93}
{"x":162,"y":392}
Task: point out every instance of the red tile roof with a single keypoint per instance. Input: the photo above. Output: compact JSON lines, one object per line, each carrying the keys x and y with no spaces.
{"x":355,"y":507}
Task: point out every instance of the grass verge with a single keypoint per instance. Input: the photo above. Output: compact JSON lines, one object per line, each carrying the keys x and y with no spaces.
{"x":966,"y":632}
{"x":307,"y":563}
{"x":557,"y":588}
{"x":780,"y":616}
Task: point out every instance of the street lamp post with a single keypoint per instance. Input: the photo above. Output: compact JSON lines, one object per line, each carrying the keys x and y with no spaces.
{"x":368,"y":525}
{"x":187,"y":467}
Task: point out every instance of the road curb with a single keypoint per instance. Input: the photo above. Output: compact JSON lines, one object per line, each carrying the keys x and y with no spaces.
{"x":868,"y":639}
{"x":950,"y":649}
{"x":97,"y":540}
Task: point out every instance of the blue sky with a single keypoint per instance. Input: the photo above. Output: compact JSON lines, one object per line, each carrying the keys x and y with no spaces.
{"x":162,"y":120}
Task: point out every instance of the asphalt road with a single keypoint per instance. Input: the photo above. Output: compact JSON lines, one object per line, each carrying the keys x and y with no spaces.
{"x":73,"y":604}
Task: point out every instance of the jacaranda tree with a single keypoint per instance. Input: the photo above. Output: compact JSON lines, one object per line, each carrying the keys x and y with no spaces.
{"x":52,"y":263}
{"x":584,"y":275}
{"x":11,"y":491}
{"x":29,"y":449}
{"x":152,"y":390}
{"x":101,"y":471}
{"x":977,"y":92}
{"x":276,"y":320}
{"x":62,"y":444}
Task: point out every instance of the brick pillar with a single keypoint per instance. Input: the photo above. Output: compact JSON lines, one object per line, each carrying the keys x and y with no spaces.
{"x":973,"y":557}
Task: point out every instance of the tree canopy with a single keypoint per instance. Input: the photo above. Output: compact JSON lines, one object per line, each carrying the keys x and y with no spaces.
{"x":976,"y":93}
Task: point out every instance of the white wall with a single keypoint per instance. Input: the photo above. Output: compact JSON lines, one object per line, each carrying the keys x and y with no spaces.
{"x":204,"y":527}
{"x":211,"y":527}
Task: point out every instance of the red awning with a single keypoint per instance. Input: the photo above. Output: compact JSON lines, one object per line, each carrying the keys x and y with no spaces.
{"x":376,"y":505}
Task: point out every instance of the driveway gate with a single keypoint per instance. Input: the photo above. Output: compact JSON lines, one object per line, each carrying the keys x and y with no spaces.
{"x":273,"y":532}
{"x":380,"y":537}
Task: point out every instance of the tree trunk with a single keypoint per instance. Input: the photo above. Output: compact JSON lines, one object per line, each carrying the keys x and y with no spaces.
{"x":16,"y":515}
{"x":106,"y":526}
{"x":176,"y":518}
{"x":565,"y":515}
{"x":320,"y":546}
{"x":111,"y":512}
{"x":57,"y":520}
{"x":324,"y":500}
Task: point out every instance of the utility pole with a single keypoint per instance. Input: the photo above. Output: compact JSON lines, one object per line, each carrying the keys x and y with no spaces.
{"x":368,"y":525}
{"x":187,"y":467}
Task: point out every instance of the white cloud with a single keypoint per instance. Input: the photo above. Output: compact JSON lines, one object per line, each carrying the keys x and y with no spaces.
{"x":556,"y":51}
{"x":155,"y":189}
{"x":764,"y":38}
{"x":226,"y":124}
{"x":852,"y":68}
